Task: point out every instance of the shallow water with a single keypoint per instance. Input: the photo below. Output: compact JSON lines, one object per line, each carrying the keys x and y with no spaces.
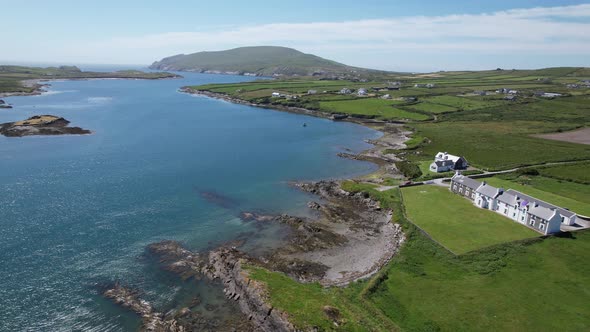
{"x":77,"y":211}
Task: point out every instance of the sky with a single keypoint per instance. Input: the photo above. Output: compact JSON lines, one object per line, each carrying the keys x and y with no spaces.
{"x":423,"y":36}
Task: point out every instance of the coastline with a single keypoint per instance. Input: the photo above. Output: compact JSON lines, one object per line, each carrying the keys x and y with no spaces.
{"x":394,"y":135}
{"x":40,"y":85}
{"x":352,"y":238}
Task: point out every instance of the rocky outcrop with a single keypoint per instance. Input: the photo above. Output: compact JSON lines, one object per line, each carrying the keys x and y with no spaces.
{"x":226,"y":266}
{"x":3,"y":104}
{"x":152,"y":321}
{"x":40,"y":125}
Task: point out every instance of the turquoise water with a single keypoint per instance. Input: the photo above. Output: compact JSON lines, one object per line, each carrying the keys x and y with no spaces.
{"x":76,"y":212}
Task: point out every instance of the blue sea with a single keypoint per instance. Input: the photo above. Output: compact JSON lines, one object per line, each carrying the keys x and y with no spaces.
{"x":76,"y":212}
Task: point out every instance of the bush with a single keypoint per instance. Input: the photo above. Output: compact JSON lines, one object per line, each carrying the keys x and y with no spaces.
{"x":409,"y":169}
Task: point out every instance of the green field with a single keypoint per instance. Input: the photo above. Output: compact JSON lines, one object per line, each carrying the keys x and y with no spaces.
{"x":573,"y":196}
{"x":530,"y":285}
{"x":576,"y":172}
{"x":379,"y":108}
{"x":498,"y":145}
{"x":456,"y":223}
{"x":432,"y":108}
{"x":538,"y":285}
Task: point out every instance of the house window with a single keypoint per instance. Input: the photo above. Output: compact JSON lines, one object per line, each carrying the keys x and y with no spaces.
{"x":455,"y":186}
{"x":472,"y":195}
{"x":513,"y":214}
{"x":506,"y":211}
{"x":522,"y":218}
{"x":542,"y":226}
{"x":562,"y":219}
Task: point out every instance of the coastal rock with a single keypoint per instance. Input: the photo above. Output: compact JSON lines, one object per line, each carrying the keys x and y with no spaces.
{"x":225,"y":265}
{"x":40,"y":125}
{"x":314,"y":205}
{"x":151,"y":320}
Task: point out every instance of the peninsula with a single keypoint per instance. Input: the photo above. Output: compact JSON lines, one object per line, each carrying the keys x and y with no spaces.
{"x":23,"y":81}
{"x":260,"y":61}
{"x":40,"y":125}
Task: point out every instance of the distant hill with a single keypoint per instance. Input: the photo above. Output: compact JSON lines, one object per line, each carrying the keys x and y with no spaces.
{"x":258,"y":61}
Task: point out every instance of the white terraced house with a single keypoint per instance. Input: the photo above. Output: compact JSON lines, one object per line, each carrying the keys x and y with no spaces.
{"x":444,"y":162}
{"x":534,"y":213}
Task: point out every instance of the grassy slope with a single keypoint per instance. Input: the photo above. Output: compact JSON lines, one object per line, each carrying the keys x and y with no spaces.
{"x":498,"y":145}
{"x":264,"y":60}
{"x":576,"y":173}
{"x":512,"y":287}
{"x":552,"y":191}
{"x":456,"y":223}
{"x":370,"y":106}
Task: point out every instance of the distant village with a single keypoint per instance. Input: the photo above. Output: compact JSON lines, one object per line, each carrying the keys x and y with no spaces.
{"x":508,"y":93}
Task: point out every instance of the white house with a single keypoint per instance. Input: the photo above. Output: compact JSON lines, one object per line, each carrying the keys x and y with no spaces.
{"x":536,"y":214}
{"x":345,"y":91}
{"x":362,"y":92}
{"x":276,"y":94}
{"x":444,"y":162}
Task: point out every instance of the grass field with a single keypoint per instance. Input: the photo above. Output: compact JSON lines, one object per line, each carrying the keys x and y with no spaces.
{"x":573,"y":196}
{"x":456,"y":223}
{"x":371,"y":107}
{"x":498,"y":145}
{"x":576,"y":172}
{"x":432,"y":108}
{"x":538,"y":285}
{"x":531,"y":285}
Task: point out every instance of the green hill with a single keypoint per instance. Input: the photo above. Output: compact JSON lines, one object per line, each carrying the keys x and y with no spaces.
{"x":259,"y":61}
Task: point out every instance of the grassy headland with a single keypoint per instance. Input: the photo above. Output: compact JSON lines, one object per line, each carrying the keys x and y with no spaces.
{"x":12,"y":77}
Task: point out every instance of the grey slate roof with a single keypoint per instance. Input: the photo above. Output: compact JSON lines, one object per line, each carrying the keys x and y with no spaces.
{"x":488,"y":190}
{"x":541,"y":212}
{"x":532,"y":200}
{"x":466,"y":181}
{"x":508,"y":198}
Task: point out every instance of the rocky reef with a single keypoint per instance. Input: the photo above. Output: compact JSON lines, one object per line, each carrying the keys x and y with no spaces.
{"x":40,"y":125}
{"x":225,"y":265}
{"x":3,"y":104}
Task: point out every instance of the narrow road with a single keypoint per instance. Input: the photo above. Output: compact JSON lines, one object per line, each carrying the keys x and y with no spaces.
{"x":441,"y":181}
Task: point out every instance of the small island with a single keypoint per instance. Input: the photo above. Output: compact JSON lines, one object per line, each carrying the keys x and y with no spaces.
{"x":40,"y":125}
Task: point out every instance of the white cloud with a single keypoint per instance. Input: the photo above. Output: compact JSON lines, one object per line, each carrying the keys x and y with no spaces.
{"x":551,"y":30}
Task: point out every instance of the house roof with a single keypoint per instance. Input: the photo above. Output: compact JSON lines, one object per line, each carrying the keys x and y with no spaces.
{"x":446,"y":156}
{"x":466,"y":181}
{"x":487,"y":190}
{"x":542,"y":212}
{"x":508,"y":198}
{"x":532,"y":200}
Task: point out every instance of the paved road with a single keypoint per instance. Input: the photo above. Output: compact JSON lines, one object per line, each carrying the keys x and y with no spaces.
{"x":441,"y":181}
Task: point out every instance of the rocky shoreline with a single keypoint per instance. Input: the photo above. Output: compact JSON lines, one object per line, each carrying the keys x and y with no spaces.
{"x":40,"y":125}
{"x":351,"y":239}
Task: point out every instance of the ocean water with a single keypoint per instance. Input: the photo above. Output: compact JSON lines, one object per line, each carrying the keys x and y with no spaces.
{"x":76,"y":212}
